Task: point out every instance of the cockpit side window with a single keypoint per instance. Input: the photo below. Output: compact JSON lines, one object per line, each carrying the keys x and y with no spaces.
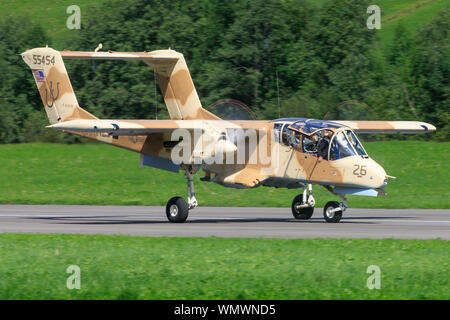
{"x":356,"y":143}
{"x":341,"y":147}
{"x":296,"y":140}
{"x":277,"y":131}
{"x":291,"y":138}
{"x":310,"y":144}
{"x":285,"y":135}
{"x":317,"y":144}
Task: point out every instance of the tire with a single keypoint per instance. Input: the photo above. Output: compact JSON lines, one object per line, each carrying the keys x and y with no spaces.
{"x":332,"y":217}
{"x":177,"y":210}
{"x":302,"y":213}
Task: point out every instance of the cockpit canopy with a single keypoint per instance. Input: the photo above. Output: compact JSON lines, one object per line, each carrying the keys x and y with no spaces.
{"x":328,"y":140}
{"x":345,"y":144}
{"x":308,"y":127}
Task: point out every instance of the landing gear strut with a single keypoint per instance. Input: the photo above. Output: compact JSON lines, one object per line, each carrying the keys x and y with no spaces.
{"x":303,"y":204}
{"x":177,"y":210}
{"x":333,"y":210}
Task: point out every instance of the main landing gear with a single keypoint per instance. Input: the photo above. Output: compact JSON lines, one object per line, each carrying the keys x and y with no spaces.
{"x":177,"y":210}
{"x":303,"y":207}
{"x":303,"y":204}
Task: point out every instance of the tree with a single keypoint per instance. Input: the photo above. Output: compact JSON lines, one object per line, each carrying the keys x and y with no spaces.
{"x":431,"y":73}
{"x":18,"y":97}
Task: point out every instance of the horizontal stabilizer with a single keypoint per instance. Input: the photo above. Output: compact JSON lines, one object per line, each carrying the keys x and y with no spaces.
{"x":172,"y":74}
{"x":152,"y":58}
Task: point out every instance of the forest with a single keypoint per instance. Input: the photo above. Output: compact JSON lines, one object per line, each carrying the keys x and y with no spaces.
{"x":281,"y":58}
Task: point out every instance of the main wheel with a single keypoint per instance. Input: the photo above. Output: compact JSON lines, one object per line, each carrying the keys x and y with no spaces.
{"x":177,"y":210}
{"x":301,"y":213}
{"x":332,"y":216}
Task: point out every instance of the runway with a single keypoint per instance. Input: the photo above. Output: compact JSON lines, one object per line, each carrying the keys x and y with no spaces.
{"x":224,"y":222}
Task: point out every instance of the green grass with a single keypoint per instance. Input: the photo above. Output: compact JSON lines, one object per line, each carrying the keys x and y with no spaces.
{"x":99,"y":174}
{"x":412,"y":14}
{"x":50,"y":14}
{"x":123,"y":267}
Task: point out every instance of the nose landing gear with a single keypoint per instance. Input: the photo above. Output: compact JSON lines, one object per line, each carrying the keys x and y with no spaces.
{"x":303,"y":206}
{"x":332,"y":212}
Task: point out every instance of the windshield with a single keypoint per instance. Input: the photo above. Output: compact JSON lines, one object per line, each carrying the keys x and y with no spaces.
{"x":356,"y":143}
{"x":341,"y":147}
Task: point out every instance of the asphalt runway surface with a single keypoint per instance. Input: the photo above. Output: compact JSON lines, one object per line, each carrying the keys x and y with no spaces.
{"x":224,"y":222}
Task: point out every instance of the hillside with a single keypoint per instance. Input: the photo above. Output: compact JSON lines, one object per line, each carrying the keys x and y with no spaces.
{"x":52,"y":15}
{"x":412,"y":14}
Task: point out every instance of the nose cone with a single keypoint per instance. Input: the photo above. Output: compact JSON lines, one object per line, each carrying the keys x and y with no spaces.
{"x":378,"y":176}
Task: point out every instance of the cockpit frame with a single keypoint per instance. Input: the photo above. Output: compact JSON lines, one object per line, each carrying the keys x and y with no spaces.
{"x":342,"y":139}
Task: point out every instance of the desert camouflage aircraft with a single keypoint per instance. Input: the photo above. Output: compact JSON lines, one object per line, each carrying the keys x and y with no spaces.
{"x":281,"y":153}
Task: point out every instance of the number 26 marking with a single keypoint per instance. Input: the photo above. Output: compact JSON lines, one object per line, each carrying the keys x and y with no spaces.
{"x":361,"y":169}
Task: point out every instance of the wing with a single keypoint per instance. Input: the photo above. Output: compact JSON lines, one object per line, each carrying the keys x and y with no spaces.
{"x":144,"y":127}
{"x":125,"y":127}
{"x":388,"y":126}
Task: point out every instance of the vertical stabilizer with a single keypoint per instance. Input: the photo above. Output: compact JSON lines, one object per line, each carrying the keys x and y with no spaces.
{"x":54,"y":85}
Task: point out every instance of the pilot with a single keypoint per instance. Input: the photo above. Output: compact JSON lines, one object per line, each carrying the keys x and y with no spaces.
{"x":322,"y":149}
{"x":294,"y":139}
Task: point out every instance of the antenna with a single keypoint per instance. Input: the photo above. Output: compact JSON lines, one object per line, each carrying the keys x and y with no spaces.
{"x":278,"y":95}
{"x":98,"y":47}
{"x":156,"y":97}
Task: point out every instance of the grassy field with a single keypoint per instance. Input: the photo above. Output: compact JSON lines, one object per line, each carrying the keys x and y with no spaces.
{"x":51,"y":14}
{"x":122,"y":267}
{"x":412,"y":14}
{"x":103,"y":175}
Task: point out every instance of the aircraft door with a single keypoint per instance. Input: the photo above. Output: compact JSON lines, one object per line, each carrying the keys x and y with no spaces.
{"x":307,"y":164}
{"x":290,"y":146}
{"x":308,"y":158}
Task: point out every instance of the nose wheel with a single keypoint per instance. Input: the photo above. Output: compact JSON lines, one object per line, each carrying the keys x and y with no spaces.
{"x":332,"y":212}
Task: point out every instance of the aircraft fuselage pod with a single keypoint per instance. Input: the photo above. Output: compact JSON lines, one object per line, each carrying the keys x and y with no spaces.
{"x":325,"y":153}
